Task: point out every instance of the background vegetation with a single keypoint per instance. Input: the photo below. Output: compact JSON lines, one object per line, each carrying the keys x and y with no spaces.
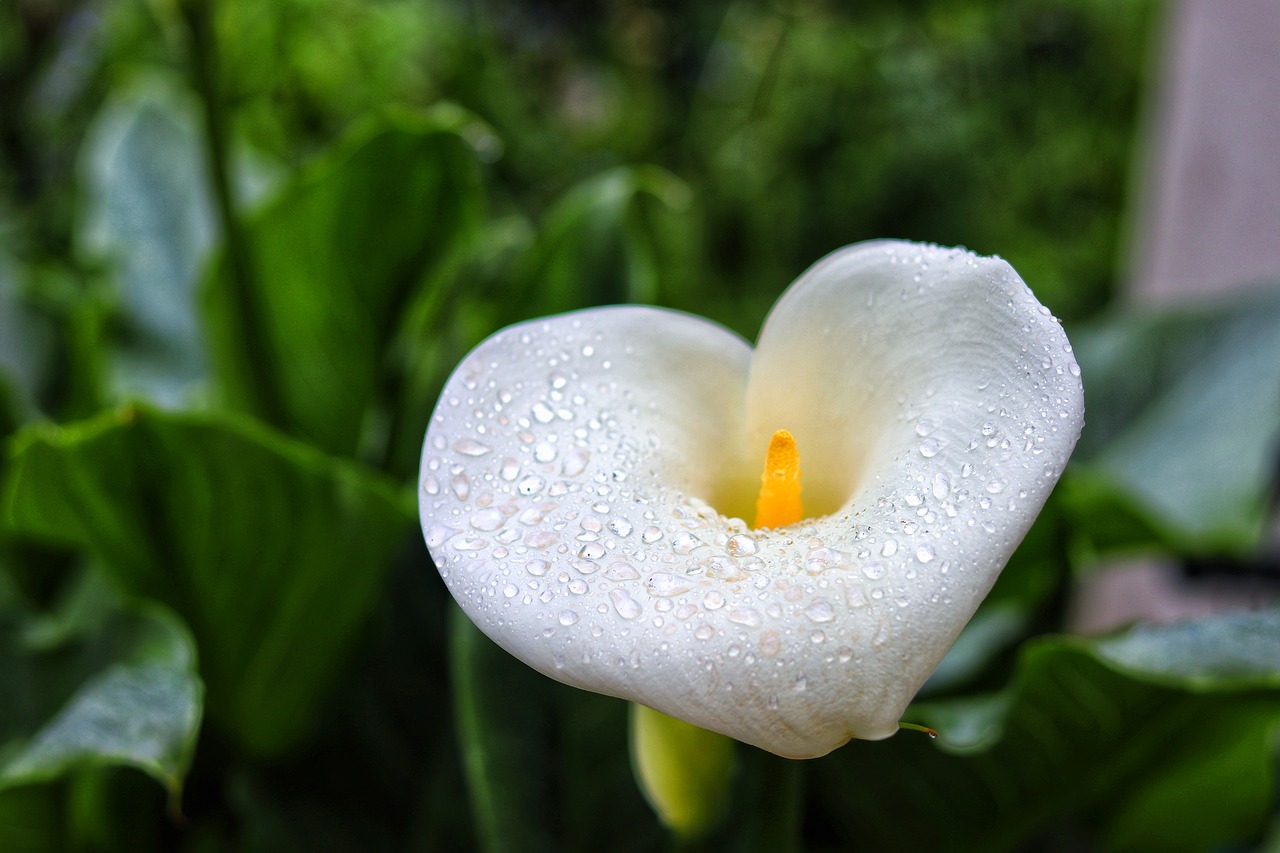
{"x":242,"y":245}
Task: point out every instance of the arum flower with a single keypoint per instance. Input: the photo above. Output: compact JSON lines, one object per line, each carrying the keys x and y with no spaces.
{"x":591,"y":490}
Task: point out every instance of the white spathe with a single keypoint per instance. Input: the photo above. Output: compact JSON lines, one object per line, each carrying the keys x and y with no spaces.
{"x":585,"y":478}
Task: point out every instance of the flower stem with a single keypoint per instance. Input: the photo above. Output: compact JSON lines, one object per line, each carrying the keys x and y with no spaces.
{"x":241,"y":270}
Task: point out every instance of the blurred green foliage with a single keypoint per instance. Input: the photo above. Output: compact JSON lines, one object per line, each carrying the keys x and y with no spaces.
{"x":243,"y":244}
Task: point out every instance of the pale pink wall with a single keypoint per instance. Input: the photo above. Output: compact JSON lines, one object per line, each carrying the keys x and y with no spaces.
{"x":1208,"y":215}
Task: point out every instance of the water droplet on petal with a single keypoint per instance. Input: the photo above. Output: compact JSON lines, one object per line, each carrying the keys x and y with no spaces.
{"x":575,"y":462}
{"x":667,"y":585}
{"x":748,"y":616}
{"x":819,"y":560}
{"x":568,"y":617}
{"x":941,"y":486}
{"x":488,"y":519}
{"x":541,"y":539}
{"x":820,"y":610}
{"x":461,"y":487}
{"x":438,"y":534}
{"x":740,"y":546}
{"x":465,"y":542}
{"x":685,"y":542}
{"x":470,"y":447}
{"x":627,"y":607}
{"x":531,"y":485}
{"x":622,"y":571}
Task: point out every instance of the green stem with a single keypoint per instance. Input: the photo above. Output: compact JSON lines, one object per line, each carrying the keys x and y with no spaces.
{"x":258,"y":352}
{"x":775,"y":820}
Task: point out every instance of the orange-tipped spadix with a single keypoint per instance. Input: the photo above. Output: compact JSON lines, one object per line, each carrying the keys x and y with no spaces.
{"x":779,"y":502}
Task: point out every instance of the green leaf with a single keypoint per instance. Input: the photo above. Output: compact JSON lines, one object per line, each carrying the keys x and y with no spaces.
{"x":104,"y":686}
{"x":147,"y":213}
{"x":1196,"y":799}
{"x":1184,"y":419}
{"x":621,"y":236}
{"x":1150,"y":740}
{"x":383,"y":772}
{"x":1023,"y":594}
{"x":272,"y":553}
{"x":334,"y":259}
{"x":1224,"y":653}
{"x":28,"y":350}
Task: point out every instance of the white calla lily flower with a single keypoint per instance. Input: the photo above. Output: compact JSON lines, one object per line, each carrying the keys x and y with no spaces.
{"x":589,"y":480}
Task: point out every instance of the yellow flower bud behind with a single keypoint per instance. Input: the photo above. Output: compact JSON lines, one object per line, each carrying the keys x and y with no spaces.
{"x":686,"y":773}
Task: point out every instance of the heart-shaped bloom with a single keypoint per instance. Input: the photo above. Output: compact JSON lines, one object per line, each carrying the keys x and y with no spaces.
{"x":588,"y":479}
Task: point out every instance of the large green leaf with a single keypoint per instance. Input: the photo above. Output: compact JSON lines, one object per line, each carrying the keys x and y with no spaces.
{"x":96,"y":685}
{"x":383,"y":771}
{"x":621,"y":236}
{"x":1158,"y":739}
{"x":1183,"y":427}
{"x":147,"y":213}
{"x":272,"y":553}
{"x":331,"y":264}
